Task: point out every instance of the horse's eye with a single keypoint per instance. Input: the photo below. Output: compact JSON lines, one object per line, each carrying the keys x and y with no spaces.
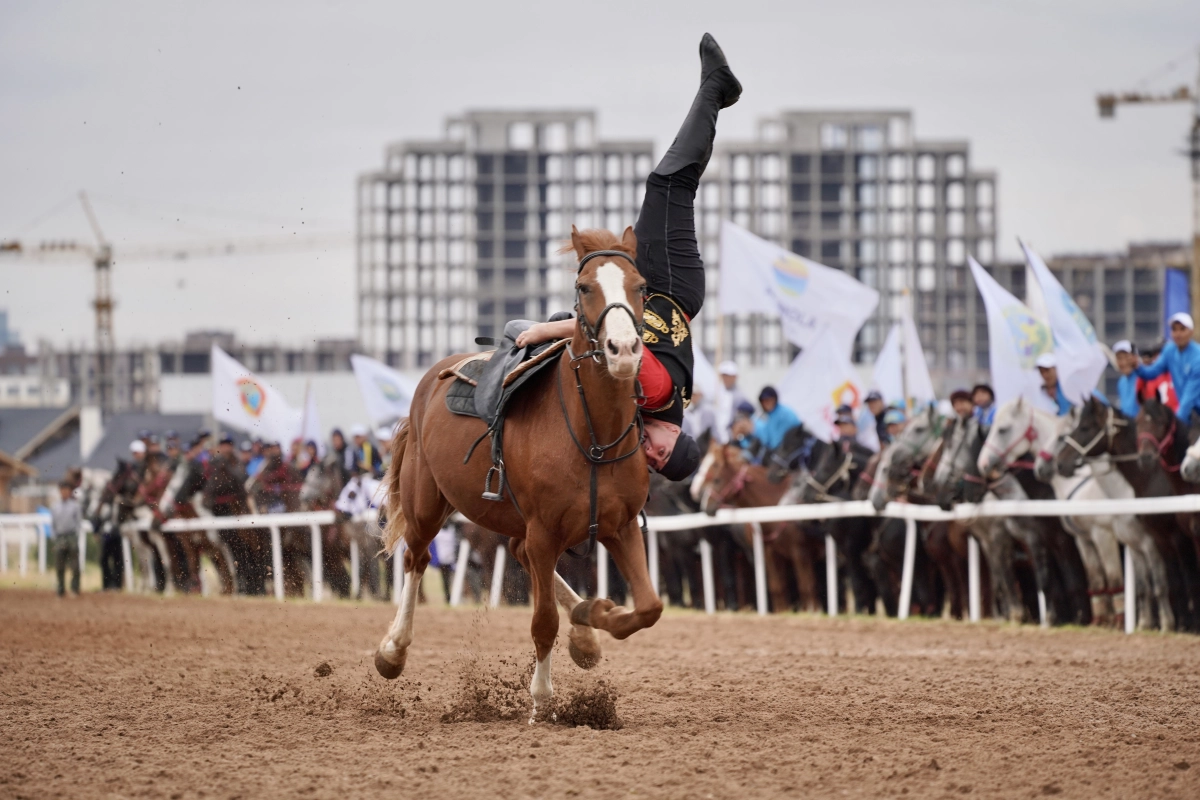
{"x":583,"y":289}
{"x":1004,"y":429}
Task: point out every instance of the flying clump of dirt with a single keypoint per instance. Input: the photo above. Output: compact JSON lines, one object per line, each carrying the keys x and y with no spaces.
{"x":490,"y":694}
{"x":591,"y":707}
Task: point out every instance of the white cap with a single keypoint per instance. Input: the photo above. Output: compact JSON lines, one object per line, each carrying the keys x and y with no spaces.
{"x":137,"y":446}
{"x":1183,"y":318}
{"x":358,"y":430}
{"x":1046,"y":361}
{"x":1123,"y":346}
{"x":728,"y":368}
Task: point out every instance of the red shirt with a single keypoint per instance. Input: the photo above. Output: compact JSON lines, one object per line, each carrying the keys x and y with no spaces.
{"x":1159,"y":388}
{"x":656,"y":382}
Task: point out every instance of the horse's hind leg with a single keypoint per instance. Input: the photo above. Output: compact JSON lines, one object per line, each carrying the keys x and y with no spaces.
{"x":629,"y":552}
{"x":419,"y":515}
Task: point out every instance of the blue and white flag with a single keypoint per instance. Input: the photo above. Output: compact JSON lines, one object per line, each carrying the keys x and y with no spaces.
{"x":1015,"y":340}
{"x":760,"y":277}
{"x":1081,"y":358}
{"x":385,"y":392}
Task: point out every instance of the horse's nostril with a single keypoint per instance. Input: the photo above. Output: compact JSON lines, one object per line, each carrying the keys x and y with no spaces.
{"x":612,"y":347}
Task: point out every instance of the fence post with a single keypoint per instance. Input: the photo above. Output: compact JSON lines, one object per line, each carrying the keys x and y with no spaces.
{"x":1130,"y":592}
{"x":41,"y":546}
{"x":127,"y":561}
{"x":906,"y":575}
{"x":498,"y":577}
{"x":652,"y":561}
{"x":460,"y":572}
{"x":974,"y":597}
{"x":601,"y":571}
{"x":23,"y":553}
{"x":318,"y":563}
{"x":1043,"y":621}
{"x":354,"y":568}
{"x":831,"y":578}
{"x":706,"y":575}
{"x":82,"y":553}
{"x":760,"y":569}
{"x":277,"y":562}
{"x":3,"y":547}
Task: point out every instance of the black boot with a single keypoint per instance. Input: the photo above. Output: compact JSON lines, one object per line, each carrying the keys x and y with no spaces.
{"x":718,"y":89}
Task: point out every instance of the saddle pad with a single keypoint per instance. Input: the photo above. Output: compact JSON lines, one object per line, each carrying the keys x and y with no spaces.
{"x":460,"y":399}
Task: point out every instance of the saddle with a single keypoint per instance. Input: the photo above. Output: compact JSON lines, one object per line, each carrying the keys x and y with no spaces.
{"x":485,"y":383}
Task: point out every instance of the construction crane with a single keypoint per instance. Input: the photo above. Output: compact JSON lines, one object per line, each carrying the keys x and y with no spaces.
{"x":101,"y":256}
{"x":1107,"y":104}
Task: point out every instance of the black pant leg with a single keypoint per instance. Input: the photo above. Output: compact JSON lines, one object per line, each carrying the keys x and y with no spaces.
{"x":668,"y":253}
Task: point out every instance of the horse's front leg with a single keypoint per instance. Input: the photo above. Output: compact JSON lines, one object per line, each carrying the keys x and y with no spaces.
{"x":539,"y":554}
{"x":629,"y":552}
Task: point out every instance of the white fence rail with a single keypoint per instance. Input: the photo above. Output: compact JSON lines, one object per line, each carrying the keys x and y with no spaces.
{"x":28,"y":529}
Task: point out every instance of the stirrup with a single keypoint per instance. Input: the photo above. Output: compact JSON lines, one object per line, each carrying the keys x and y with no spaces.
{"x":498,"y":495}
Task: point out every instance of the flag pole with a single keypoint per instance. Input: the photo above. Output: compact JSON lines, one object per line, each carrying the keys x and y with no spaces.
{"x":905,"y":313}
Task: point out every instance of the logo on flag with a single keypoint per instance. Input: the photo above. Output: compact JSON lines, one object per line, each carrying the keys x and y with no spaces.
{"x":254,"y":399}
{"x":791,"y":275}
{"x":389,"y":390}
{"x":846,"y":395}
{"x":1030,"y":337}
{"x":1080,"y":318}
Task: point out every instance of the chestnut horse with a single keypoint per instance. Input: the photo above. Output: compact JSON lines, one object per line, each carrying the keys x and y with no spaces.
{"x":573,"y":457}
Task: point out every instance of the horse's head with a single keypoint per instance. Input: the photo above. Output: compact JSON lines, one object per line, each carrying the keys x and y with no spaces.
{"x":725,"y":480}
{"x":1157,"y":432}
{"x":1010,"y":437}
{"x":957,"y":478}
{"x":910,"y":454}
{"x":609,"y":294}
{"x":1083,"y":437}
{"x":707,"y":464}
{"x":790,"y":455}
{"x":834,"y":467}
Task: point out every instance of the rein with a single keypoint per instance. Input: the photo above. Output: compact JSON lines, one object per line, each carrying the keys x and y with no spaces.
{"x":595,"y":453}
{"x":840,"y":474}
{"x":1111,"y":427}
{"x":735,"y":486}
{"x":592,"y":330}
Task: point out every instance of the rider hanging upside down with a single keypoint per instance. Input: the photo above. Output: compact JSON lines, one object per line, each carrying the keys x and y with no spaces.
{"x":668,"y":258}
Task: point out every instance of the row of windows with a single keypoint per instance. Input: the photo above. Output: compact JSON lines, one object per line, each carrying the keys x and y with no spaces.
{"x":585,"y":166}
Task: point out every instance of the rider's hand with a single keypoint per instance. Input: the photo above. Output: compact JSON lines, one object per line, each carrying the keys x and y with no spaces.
{"x":536,"y":334}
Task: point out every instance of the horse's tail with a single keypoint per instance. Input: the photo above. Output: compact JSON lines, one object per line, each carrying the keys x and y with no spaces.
{"x":395,"y":515}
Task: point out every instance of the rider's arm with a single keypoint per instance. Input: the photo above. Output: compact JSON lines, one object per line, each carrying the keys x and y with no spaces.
{"x":1155,"y":369}
{"x":545,"y":331}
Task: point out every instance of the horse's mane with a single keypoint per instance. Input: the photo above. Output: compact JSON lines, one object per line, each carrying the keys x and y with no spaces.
{"x":594,"y":239}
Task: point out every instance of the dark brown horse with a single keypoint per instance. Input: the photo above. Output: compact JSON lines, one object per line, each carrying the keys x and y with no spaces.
{"x":574,"y":423}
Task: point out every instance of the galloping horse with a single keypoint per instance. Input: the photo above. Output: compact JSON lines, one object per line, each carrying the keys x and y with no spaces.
{"x":574,"y":461}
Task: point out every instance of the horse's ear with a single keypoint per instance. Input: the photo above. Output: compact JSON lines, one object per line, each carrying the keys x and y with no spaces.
{"x":629,"y":240}
{"x":577,"y":243}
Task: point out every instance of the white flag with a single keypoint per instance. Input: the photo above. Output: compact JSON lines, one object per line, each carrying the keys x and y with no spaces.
{"x":386,"y":393}
{"x":1081,"y":358}
{"x":310,"y":426}
{"x":1015,"y":339}
{"x":818,"y":381}
{"x":760,"y":277}
{"x":704,"y":377}
{"x":250,"y":404}
{"x":887,"y":378}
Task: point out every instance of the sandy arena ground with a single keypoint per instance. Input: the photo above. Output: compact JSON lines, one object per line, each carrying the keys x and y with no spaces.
{"x":117,"y":696}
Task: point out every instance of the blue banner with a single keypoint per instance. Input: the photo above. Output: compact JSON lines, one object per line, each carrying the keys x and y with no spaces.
{"x":1176,"y":296}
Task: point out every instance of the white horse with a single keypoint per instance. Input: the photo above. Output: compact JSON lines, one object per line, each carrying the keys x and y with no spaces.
{"x":1020,"y":430}
{"x":1150,"y":571}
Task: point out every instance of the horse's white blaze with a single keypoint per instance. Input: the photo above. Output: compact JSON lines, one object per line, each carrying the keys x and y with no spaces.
{"x":618,"y":325}
{"x":540,"y":687}
{"x":701,"y":476}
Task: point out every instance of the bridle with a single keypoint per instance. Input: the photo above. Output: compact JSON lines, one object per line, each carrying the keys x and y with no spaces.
{"x":915,"y":472}
{"x":1030,"y":436}
{"x":1112,"y":426}
{"x":595,"y":452}
{"x":1162,"y":446}
{"x":734,"y":487}
{"x":592,"y":330}
{"x":840,"y":474}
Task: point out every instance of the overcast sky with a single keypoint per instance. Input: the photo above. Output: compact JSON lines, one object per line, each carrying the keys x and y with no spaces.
{"x":193,"y":122}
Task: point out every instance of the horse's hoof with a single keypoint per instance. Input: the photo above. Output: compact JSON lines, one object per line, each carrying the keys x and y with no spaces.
{"x":581,"y":614}
{"x":386,"y":668}
{"x":585,"y":654}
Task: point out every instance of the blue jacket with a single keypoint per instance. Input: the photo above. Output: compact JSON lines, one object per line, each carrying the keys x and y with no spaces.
{"x":985,"y":416}
{"x":1065,"y":405}
{"x":1127,"y":394}
{"x":1184,"y":366}
{"x":770,"y":428}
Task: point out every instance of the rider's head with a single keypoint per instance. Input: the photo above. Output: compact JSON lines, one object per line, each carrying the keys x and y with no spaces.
{"x":1126,"y":355}
{"x":768,"y":398}
{"x":1047,"y":367}
{"x":847,"y":428}
{"x":963,"y":405}
{"x":669,"y":451}
{"x":1181,"y":329}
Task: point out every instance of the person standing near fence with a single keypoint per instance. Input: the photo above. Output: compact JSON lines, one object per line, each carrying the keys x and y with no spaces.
{"x":66,"y":519}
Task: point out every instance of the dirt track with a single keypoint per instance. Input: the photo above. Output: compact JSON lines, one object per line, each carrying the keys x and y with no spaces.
{"x":134,"y":696}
